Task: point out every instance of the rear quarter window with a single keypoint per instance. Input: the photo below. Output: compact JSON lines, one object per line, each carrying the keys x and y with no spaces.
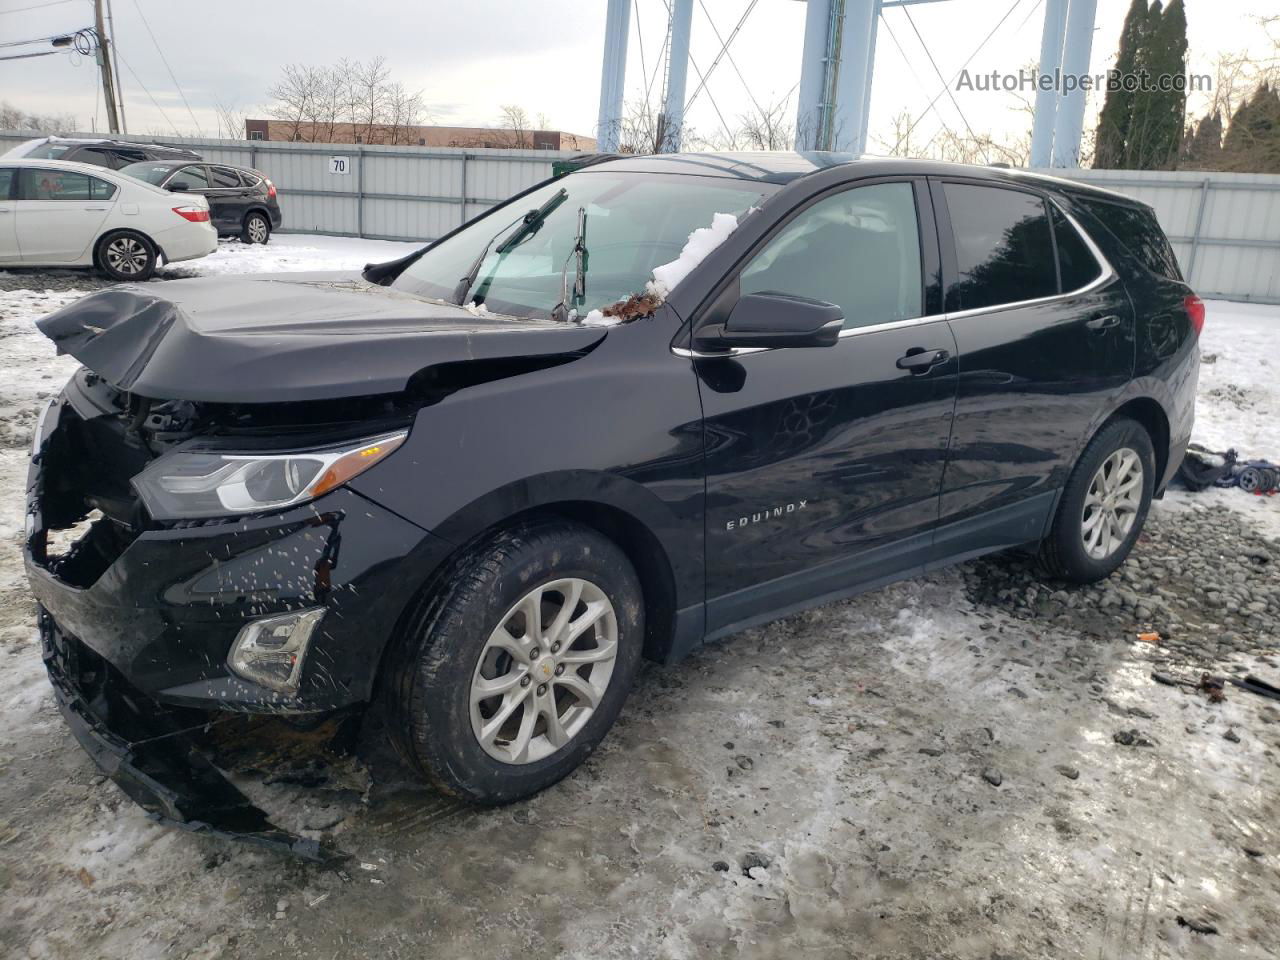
{"x":1138,"y":232}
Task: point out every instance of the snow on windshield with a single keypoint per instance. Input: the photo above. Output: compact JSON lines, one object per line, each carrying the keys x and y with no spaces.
{"x":665,"y":278}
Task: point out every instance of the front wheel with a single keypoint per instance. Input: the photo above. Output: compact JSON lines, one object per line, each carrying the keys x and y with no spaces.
{"x":1103,"y":505}
{"x":125,"y":255}
{"x":519,"y":667}
{"x":256,"y":229}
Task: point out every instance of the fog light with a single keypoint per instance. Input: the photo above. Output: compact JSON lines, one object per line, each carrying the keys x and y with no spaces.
{"x":271,"y":651}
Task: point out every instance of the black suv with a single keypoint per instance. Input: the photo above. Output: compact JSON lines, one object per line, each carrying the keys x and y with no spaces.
{"x":242,"y":202}
{"x":112,"y":154}
{"x":649,"y":403}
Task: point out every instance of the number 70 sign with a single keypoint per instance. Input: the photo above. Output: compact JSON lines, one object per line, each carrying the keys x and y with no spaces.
{"x":340,"y":165}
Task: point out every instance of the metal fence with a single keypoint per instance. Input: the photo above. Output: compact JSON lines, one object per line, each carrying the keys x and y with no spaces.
{"x":1225,"y":227}
{"x":385,"y":193}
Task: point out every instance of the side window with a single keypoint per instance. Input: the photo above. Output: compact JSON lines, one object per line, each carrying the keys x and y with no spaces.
{"x":223,"y":177}
{"x":859,"y":249}
{"x":37,"y":184}
{"x":122,"y":158}
{"x":1138,"y":230}
{"x":6,"y":182}
{"x":193,"y":176}
{"x":99,"y":158}
{"x":1004,"y":253}
{"x":100,"y":189}
{"x":1076,"y":263}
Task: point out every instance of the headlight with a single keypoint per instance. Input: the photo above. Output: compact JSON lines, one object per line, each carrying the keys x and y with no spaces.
{"x":186,"y":485}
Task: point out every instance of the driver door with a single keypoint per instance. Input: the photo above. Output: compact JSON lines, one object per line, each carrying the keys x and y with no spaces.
{"x":824,"y":464}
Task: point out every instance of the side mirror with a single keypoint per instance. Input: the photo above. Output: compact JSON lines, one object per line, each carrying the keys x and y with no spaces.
{"x":771,"y":319}
{"x":178,"y":186}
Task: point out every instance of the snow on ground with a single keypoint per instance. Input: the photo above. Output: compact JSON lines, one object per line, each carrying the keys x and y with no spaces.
{"x":931,"y":770}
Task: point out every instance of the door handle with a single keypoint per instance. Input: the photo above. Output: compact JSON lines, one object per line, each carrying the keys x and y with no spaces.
{"x":1098,"y":324}
{"x":95,"y":208}
{"x":919,"y":360}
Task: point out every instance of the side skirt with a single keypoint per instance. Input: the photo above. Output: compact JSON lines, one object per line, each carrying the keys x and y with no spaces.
{"x":1024,"y":522}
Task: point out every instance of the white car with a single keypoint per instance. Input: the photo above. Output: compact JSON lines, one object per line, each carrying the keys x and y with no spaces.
{"x":59,"y":214}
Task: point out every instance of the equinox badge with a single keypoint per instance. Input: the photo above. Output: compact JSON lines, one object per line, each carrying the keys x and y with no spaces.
{"x":765,"y":514}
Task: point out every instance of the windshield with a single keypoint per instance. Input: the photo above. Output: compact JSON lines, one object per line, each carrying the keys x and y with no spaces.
{"x":633,"y":223}
{"x":146,"y":170}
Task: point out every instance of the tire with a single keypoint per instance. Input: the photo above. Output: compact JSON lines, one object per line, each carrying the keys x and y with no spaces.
{"x":448,"y":649}
{"x":1084,"y":545}
{"x":126,"y":255}
{"x":256,"y":228}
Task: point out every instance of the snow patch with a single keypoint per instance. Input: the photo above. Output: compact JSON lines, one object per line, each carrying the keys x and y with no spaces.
{"x":696,"y":249}
{"x":596,"y":318}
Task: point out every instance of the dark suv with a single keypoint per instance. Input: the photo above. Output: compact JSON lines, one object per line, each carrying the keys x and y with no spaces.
{"x":112,"y":154}
{"x":649,"y":403}
{"x":242,"y":201}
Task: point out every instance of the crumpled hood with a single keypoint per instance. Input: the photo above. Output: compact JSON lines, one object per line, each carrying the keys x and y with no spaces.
{"x":270,"y":340}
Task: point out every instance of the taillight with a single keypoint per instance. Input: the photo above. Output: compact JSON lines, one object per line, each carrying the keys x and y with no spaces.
{"x":271,"y":189}
{"x":194,"y":214}
{"x":1195,"y":310}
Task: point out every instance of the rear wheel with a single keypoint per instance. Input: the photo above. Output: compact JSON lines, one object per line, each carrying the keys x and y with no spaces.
{"x":125,"y":255}
{"x":517,"y":669}
{"x":256,"y":229}
{"x":1104,"y":505}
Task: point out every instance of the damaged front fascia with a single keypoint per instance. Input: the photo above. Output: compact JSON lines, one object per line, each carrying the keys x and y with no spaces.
{"x":153,"y":759}
{"x":253,"y":341}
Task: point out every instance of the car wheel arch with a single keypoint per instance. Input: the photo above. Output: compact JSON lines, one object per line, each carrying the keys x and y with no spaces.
{"x":1149,"y":413}
{"x":631,"y":529}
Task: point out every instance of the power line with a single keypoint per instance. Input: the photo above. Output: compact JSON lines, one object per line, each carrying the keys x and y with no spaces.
{"x":945,"y":85}
{"x":165,"y":61}
{"x":723,"y":50}
{"x":34,"y":6}
{"x":147,"y":92}
{"x":28,"y":56}
{"x":977,"y":50}
{"x":733,"y":63}
{"x":907,"y":60}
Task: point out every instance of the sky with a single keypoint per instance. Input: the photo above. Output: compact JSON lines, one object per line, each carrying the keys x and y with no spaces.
{"x":469,"y":58}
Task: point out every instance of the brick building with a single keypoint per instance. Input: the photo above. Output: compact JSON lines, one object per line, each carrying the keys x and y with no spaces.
{"x":418,"y":136}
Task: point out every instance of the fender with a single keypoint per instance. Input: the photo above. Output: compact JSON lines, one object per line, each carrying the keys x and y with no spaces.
{"x":496,"y":449}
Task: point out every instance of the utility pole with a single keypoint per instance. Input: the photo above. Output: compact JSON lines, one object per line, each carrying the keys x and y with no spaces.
{"x":104,"y":66}
{"x":115,"y":69}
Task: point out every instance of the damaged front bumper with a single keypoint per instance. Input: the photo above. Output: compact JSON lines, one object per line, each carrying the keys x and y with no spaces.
{"x":148,"y":751}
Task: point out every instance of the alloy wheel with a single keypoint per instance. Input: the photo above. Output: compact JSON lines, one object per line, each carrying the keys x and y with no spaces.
{"x":127,"y":255}
{"x":257,"y":230}
{"x":1111,"y":506}
{"x":544,"y":670}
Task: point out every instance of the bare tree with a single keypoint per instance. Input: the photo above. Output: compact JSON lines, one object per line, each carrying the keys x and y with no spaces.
{"x":292,"y":97}
{"x":230,"y":121}
{"x":15,"y":118}
{"x":515,"y":120}
{"x":767,"y":127}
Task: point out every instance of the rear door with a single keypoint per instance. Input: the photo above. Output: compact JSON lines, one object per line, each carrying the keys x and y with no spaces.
{"x":228,"y":198}
{"x":824,"y":464}
{"x":58,"y":213}
{"x":1045,"y":333}
{"x":8,"y":219}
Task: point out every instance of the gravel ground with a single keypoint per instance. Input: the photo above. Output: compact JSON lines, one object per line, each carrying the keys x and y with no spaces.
{"x":975,"y":764}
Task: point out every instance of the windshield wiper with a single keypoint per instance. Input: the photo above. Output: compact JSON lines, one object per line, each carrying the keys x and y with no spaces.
{"x":579,"y":255}
{"x":529,"y":224}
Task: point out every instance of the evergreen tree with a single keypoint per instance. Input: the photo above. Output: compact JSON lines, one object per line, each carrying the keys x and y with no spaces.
{"x":1117,"y":110}
{"x":1252,"y":143}
{"x":1155,"y":139}
{"x":1202,"y":149}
